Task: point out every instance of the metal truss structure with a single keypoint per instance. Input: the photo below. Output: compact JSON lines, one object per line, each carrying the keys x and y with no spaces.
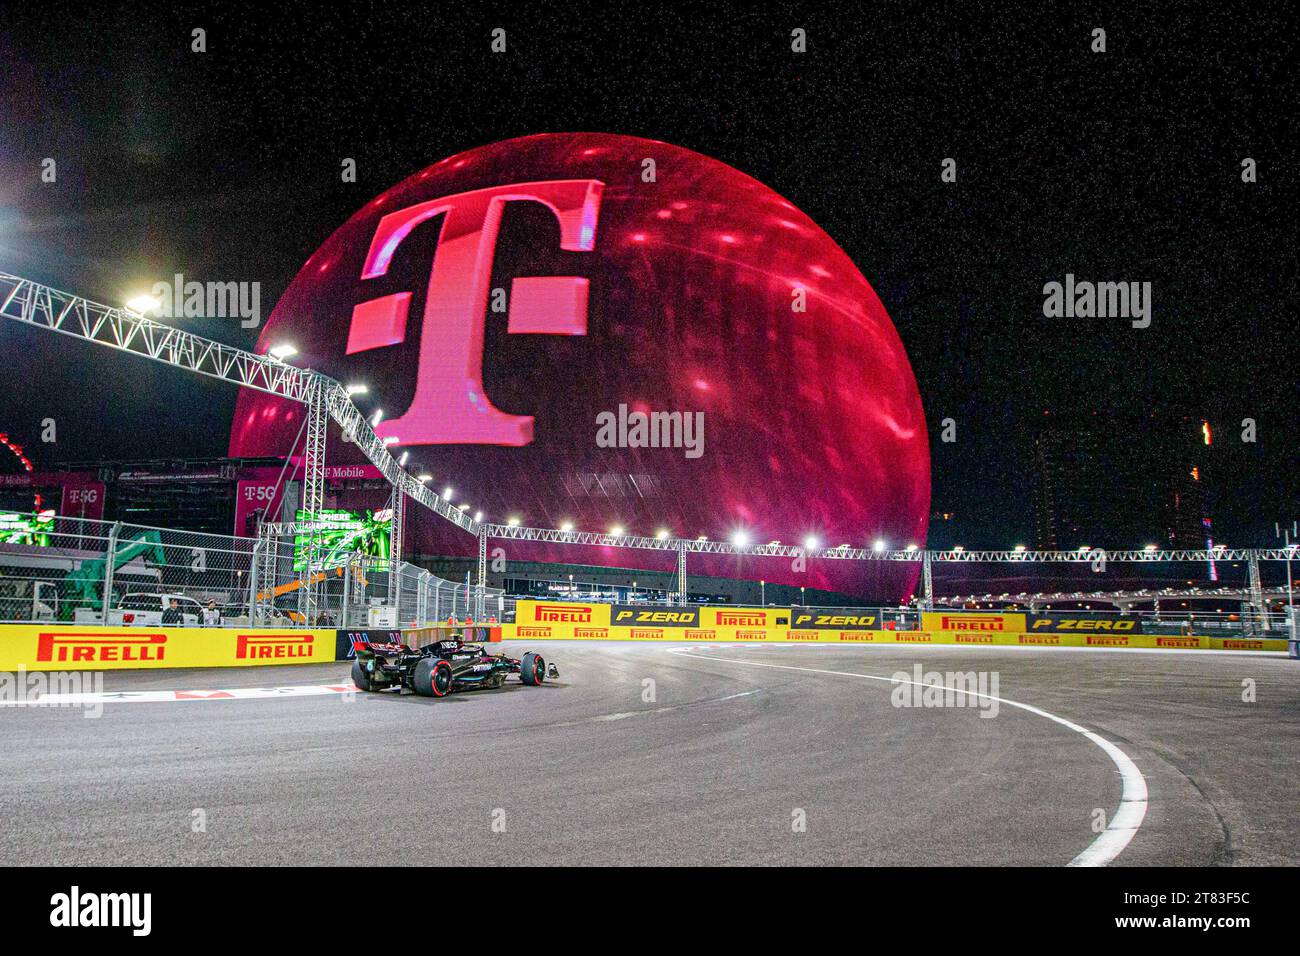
{"x":481,"y":584}
{"x":1118,"y":598}
{"x":846,"y":553}
{"x":23,"y":300}
{"x":396,"y":532}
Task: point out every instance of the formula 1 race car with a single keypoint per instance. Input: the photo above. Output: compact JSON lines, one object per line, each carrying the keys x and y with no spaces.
{"x":441,"y":667}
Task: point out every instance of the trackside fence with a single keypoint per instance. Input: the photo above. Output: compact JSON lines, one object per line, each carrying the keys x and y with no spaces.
{"x":80,"y":570}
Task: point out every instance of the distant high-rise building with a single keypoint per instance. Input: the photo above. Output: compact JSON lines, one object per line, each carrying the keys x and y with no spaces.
{"x":1121,"y":482}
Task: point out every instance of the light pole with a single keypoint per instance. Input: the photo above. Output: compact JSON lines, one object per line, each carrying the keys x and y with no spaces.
{"x":762,"y":593}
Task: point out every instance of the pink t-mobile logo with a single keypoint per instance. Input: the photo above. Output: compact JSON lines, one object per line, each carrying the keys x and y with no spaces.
{"x":449,"y":406}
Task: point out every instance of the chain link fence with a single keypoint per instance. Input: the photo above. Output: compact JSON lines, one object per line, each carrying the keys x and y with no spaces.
{"x":79,"y":570}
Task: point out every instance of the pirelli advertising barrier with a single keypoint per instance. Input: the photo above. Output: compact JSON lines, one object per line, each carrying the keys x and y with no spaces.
{"x":556,"y":620}
{"x":54,"y":647}
{"x":1007,"y":628}
{"x":562,"y":620}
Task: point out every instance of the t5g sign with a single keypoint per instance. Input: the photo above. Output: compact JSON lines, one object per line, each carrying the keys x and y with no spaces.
{"x":449,"y":405}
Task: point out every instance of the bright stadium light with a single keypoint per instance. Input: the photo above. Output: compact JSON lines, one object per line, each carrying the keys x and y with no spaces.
{"x":446,"y":492}
{"x":1150,"y":547}
{"x":403,"y":459}
{"x":566,"y":526}
{"x":425,"y":478}
{"x":282,"y":351}
{"x":616,"y":531}
{"x":140,"y":304}
{"x":391,"y":440}
{"x":1083,"y":548}
{"x":958,"y":548}
{"x":740,"y":539}
{"x":512,"y":521}
{"x":478,"y":516}
{"x":663,"y":534}
{"x":911,"y":547}
{"x":464,"y":506}
{"x":357,"y":389}
{"x":1020,"y":549}
{"x":377,"y":418}
{"x":879,"y":545}
{"x":811,"y":543}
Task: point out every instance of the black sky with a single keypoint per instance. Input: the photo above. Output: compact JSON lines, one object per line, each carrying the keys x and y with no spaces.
{"x":1123,"y":165}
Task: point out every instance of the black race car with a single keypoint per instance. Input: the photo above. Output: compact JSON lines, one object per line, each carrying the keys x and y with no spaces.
{"x":441,"y":667}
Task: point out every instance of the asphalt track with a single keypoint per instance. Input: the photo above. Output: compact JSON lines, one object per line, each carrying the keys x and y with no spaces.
{"x":715,"y":770}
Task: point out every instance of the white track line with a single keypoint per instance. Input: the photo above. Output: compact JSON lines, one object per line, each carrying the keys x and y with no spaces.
{"x":1123,"y":825}
{"x":170,"y":696}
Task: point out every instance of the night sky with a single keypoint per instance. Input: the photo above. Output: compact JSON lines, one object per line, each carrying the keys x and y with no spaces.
{"x":1117,"y":166}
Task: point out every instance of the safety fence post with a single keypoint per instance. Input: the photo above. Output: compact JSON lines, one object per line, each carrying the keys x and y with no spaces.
{"x":110,"y":558}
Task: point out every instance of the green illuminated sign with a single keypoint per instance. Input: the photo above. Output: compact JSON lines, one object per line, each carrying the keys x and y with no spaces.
{"x":339,"y":533}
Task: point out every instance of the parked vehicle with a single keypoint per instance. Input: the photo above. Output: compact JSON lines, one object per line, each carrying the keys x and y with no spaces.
{"x":145,"y":610}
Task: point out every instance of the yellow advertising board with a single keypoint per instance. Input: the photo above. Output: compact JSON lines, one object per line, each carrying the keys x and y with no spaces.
{"x":60,"y":647}
{"x":543,"y":620}
{"x":973,"y":622}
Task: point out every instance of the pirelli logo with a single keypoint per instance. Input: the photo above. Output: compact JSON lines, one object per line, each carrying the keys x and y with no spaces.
{"x":857,"y":636}
{"x":972,"y":622}
{"x":741,"y":618}
{"x":647,"y":633}
{"x":973,"y":639}
{"x":801,"y":636}
{"x":912,"y":637}
{"x":701,"y":635}
{"x":751,"y":635}
{"x":523,"y":631}
{"x":1104,"y":640}
{"x":588,"y":633}
{"x":1050,"y":640}
{"x":1178,"y":642}
{"x":92,"y":647}
{"x":1238,"y":645}
{"x":563,"y":613}
{"x":266,"y":647}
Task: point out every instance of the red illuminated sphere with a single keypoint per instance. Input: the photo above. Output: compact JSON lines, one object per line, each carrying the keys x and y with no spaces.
{"x":812,"y":420}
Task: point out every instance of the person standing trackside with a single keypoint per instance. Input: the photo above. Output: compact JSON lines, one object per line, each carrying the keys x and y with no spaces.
{"x":173,"y":614}
{"x":211,"y":616}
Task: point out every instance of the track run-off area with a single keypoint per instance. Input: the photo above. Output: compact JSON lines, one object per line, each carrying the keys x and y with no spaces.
{"x":674,"y":754}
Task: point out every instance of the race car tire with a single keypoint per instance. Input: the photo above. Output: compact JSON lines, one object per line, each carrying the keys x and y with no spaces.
{"x":432,"y":678}
{"x":532,"y":669}
{"x":360,"y":677}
